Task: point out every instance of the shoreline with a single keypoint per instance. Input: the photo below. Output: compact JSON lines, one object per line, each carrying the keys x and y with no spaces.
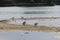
{"x":11,"y":27}
{"x":35,"y":18}
{"x":23,"y":31}
{"x":4,"y":25}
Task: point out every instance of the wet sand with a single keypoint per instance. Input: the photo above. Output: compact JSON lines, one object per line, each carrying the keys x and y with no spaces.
{"x":5,"y":26}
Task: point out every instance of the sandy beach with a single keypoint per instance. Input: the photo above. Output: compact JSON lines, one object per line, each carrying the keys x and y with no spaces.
{"x":4,"y":25}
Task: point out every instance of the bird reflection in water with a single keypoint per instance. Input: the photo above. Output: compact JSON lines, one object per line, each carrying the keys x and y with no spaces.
{"x":26,"y":33}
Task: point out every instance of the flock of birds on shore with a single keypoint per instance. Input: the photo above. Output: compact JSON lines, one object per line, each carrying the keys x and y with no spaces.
{"x":33,"y":18}
{"x":24,"y":22}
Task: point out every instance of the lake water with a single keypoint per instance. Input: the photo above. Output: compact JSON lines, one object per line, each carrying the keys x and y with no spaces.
{"x":22,"y":35}
{"x":28,"y":12}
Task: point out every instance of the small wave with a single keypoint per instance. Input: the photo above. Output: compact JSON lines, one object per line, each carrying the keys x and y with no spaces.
{"x":35,"y":12}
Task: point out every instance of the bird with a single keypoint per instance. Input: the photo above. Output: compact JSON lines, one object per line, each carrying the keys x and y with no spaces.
{"x":35,"y":24}
{"x":24,"y":23}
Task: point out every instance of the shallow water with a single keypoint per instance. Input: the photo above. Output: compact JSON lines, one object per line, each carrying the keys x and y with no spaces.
{"x":30,"y":36}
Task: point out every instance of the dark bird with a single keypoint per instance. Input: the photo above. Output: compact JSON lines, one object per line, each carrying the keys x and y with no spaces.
{"x":24,"y":23}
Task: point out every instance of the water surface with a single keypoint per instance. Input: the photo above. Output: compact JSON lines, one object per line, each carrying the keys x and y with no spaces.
{"x":29,"y":36}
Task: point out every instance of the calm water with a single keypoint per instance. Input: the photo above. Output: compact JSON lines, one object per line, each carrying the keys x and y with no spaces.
{"x":29,"y":11}
{"x":52,"y":11}
{"x":30,"y":36}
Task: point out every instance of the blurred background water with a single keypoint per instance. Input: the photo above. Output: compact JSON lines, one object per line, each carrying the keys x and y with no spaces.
{"x":29,"y":11}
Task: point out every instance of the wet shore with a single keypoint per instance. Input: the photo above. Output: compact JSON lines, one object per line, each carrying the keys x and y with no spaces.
{"x":6,"y":26}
